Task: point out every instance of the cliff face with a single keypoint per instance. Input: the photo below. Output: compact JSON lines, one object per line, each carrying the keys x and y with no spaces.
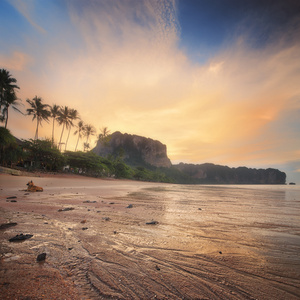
{"x":210,"y":173}
{"x":135,"y":150}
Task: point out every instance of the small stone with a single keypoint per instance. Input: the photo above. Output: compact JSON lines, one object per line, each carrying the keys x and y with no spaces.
{"x":21,"y":237}
{"x":199,"y":208}
{"x":157,"y":268}
{"x":83,"y":222}
{"x":130,"y":206}
{"x":220,"y":252}
{"x":12,"y":197}
{"x":66,"y":209}
{"x":41,"y":257}
{"x":7,"y":225}
{"x":84,"y":228}
{"x":152,"y":223}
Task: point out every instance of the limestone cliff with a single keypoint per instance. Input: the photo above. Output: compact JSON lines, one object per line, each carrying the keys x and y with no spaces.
{"x":135,"y":150}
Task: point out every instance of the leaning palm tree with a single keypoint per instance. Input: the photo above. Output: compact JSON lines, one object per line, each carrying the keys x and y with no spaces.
{"x":80,"y":127}
{"x":63,"y":119}
{"x":7,"y":88}
{"x":54,"y":110}
{"x":89,"y":130}
{"x":72,"y":116}
{"x":40,"y":112}
{"x":10,"y":100}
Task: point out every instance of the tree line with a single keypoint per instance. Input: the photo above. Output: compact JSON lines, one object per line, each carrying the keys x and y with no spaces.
{"x":46,"y":155}
{"x":41,"y":112}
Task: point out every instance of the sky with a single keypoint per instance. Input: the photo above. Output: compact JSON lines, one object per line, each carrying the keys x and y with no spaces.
{"x":215,"y":80}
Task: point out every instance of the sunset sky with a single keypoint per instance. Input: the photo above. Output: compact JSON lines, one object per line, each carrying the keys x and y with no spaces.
{"x":215,"y":80}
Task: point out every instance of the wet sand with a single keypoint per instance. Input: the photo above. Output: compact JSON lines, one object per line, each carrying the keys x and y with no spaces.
{"x":206,"y":244}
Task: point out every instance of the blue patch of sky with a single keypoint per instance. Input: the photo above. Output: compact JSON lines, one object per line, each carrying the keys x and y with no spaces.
{"x":208,"y":25}
{"x":12,"y":26}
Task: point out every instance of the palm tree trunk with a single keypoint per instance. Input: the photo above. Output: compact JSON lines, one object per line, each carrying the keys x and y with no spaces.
{"x":6,"y":117}
{"x":37,"y":129}
{"x":62,"y":132}
{"x":67,"y":138}
{"x":53,"y":133}
{"x":77,"y":142}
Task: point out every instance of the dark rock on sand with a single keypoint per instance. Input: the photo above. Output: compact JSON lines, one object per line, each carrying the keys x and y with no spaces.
{"x":130,"y":206}
{"x":21,"y":237}
{"x":41,"y":257}
{"x":66,"y":209}
{"x":89,"y":201}
{"x":7,"y":225}
{"x":12,"y":197}
{"x":152,"y":223}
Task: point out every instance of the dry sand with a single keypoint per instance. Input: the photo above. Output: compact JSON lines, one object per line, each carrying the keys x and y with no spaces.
{"x":102,"y":249}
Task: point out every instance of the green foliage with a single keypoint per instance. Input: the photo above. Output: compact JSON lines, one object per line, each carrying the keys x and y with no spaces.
{"x":121,"y":170}
{"x":10,"y":151}
{"x":156,"y":175}
{"x":88,"y":163}
{"x":44,"y":155}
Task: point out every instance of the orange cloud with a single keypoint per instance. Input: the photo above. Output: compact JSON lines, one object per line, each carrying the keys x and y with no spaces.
{"x":134,"y":78}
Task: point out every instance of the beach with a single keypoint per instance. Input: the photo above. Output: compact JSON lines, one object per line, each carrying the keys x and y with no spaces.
{"x":121,"y":239}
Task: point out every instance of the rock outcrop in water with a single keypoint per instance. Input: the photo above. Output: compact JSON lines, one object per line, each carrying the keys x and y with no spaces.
{"x":135,"y":150}
{"x":216,"y":174}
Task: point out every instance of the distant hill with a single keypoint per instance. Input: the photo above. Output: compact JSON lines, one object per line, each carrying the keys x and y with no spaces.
{"x":216,"y":174}
{"x":138,"y":151}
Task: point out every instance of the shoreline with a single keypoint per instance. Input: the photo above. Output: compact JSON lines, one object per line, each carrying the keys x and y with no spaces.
{"x":125,"y":239}
{"x":38,"y":214}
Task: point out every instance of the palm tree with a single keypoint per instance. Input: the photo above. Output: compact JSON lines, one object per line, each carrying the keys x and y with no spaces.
{"x":72,"y":116}
{"x":54,"y":110}
{"x":103,"y":136}
{"x":7,"y":88}
{"x":88,"y":131}
{"x":10,"y":100}
{"x":39,"y":111}
{"x":80,"y":127}
{"x":63,"y":118}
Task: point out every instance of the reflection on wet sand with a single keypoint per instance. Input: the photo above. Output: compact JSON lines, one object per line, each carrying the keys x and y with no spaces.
{"x":207,"y":242}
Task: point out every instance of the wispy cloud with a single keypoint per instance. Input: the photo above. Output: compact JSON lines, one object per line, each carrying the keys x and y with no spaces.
{"x":16,"y":61}
{"x":125,"y":70}
{"x":26,"y":8}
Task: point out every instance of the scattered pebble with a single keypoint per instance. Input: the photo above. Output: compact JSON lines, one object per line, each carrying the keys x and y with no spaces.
{"x":7,"y":225}
{"x":21,"y":237}
{"x":12,"y":197}
{"x":84,"y":228}
{"x":157,"y":268}
{"x":130,"y":206}
{"x":106,"y":219}
{"x":152,"y":223}
{"x":88,"y":201}
{"x":220,"y":252}
{"x":41,"y":257}
{"x":83,"y":222}
{"x":66,"y":209}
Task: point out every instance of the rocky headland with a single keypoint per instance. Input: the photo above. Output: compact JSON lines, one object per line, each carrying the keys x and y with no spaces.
{"x":139,"y":151}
